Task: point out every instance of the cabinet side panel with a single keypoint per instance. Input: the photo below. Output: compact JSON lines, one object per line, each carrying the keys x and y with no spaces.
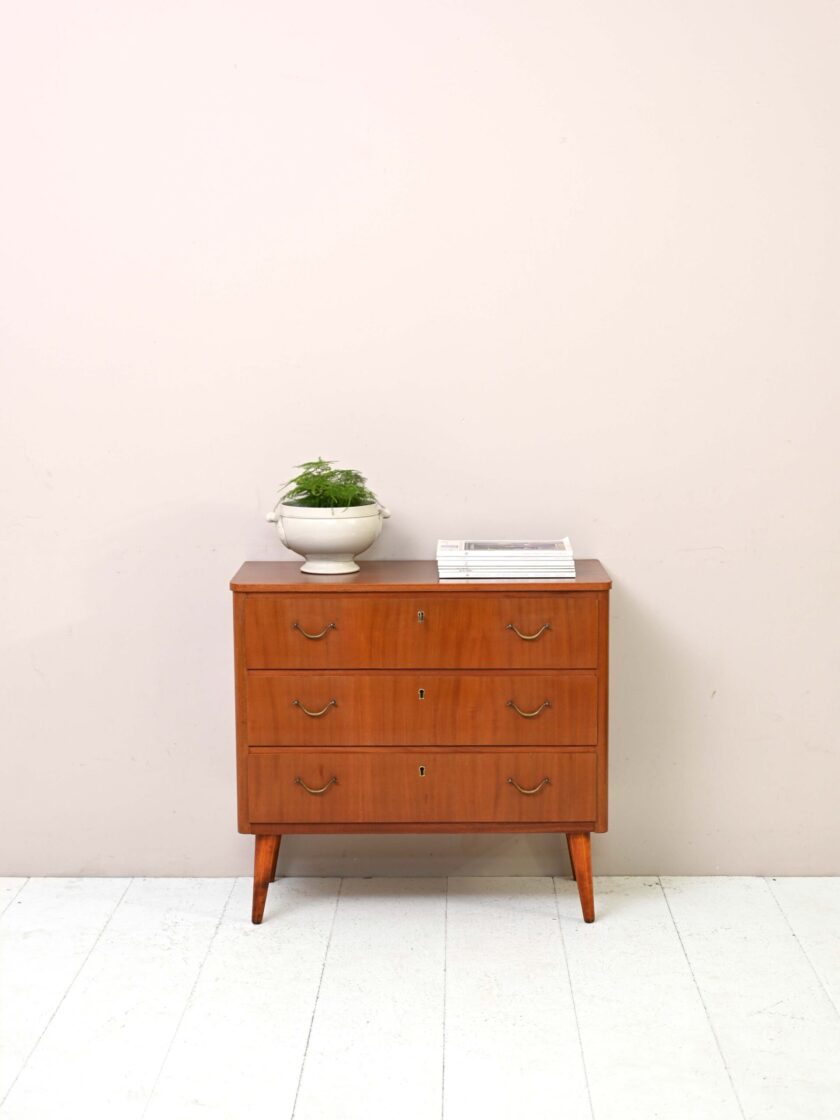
{"x":240,"y":679}
{"x":603,"y":708}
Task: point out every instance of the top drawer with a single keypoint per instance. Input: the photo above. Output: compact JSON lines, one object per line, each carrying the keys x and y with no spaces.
{"x":480,"y":630}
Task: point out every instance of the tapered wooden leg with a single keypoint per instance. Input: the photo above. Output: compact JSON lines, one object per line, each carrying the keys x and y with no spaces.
{"x":266,"y":849}
{"x":273,"y":874}
{"x":581,"y":853}
{"x":571,"y":860}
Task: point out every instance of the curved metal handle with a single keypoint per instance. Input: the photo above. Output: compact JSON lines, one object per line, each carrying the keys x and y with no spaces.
{"x":329,"y":704}
{"x":529,"y":637}
{"x":529,"y":792}
{"x":314,"y":792}
{"x":314,"y":637}
{"x":528,"y":715}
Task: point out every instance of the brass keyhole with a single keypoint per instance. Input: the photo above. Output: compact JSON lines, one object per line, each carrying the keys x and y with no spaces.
{"x":421,"y":694}
{"x":422,"y":771}
{"x":421,"y":616}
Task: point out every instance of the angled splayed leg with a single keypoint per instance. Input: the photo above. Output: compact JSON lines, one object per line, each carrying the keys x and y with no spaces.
{"x":273,"y":873}
{"x":581,"y":854}
{"x":266,"y":850}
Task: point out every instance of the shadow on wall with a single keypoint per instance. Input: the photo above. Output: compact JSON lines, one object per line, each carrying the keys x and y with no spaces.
{"x":659,"y":756}
{"x":656,"y":760}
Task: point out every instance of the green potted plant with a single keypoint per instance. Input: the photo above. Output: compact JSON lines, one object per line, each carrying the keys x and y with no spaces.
{"x":329,"y":516}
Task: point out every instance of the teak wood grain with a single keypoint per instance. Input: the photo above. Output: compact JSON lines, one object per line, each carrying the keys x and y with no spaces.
{"x":433,"y":784}
{"x":418,"y":708}
{"x":414,"y":676}
{"x":266,"y":850}
{"x":422,"y":631}
{"x":402,"y":575}
{"x":581,"y":856}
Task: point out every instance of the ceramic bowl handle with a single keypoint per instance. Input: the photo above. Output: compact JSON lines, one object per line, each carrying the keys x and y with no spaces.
{"x":384,"y":512}
{"x":278,"y":521}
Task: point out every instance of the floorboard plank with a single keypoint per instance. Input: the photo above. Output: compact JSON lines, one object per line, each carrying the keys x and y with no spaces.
{"x":101,"y":1053}
{"x":10,"y":888}
{"x":777,"y":1029}
{"x":512,"y":1044}
{"x":812,"y":907}
{"x":239,"y":1048}
{"x":46,"y":934}
{"x":376,"y":1045}
{"x":647,"y":1043}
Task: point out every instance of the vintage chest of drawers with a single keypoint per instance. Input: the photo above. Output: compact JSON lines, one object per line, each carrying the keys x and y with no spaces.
{"x":389,"y":701}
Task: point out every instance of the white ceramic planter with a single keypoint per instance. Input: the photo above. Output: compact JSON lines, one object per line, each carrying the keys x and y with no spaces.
{"x":329,"y":539}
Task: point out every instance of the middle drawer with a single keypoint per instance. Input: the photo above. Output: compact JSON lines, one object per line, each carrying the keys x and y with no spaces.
{"x":420,"y":708}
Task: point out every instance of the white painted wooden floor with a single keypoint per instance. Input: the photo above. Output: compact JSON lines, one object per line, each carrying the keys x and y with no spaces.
{"x":420,"y":998}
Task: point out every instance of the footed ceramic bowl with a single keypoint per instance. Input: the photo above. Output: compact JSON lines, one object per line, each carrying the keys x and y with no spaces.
{"x":329,"y":539}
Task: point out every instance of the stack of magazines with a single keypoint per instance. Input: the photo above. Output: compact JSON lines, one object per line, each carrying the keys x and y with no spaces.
{"x":506,"y":559}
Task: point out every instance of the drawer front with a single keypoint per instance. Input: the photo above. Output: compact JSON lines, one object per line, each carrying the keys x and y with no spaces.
{"x":403,"y":709}
{"x":423,"y":785}
{"x":442,"y":630}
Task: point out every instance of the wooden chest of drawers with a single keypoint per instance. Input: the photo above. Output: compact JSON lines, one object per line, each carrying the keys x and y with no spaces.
{"x":387,"y":701}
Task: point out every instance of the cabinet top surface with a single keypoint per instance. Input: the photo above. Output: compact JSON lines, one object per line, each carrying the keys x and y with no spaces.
{"x":403,"y":575}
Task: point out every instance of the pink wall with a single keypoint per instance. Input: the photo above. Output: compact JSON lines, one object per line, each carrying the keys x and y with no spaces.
{"x":538,"y":268}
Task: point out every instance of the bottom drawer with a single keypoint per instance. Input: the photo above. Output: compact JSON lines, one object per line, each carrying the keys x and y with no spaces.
{"x":420,"y":784}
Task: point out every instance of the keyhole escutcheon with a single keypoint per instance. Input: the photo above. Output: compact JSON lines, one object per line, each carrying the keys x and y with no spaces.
{"x":422,"y":771}
{"x":421,"y":694}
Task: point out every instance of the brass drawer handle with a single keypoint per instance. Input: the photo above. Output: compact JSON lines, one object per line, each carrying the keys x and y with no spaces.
{"x":529,"y":792}
{"x":314,"y":637}
{"x":329,"y":704}
{"x":529,"y":637}
{"x":315,"y":792}
{"x":529,"y":715}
